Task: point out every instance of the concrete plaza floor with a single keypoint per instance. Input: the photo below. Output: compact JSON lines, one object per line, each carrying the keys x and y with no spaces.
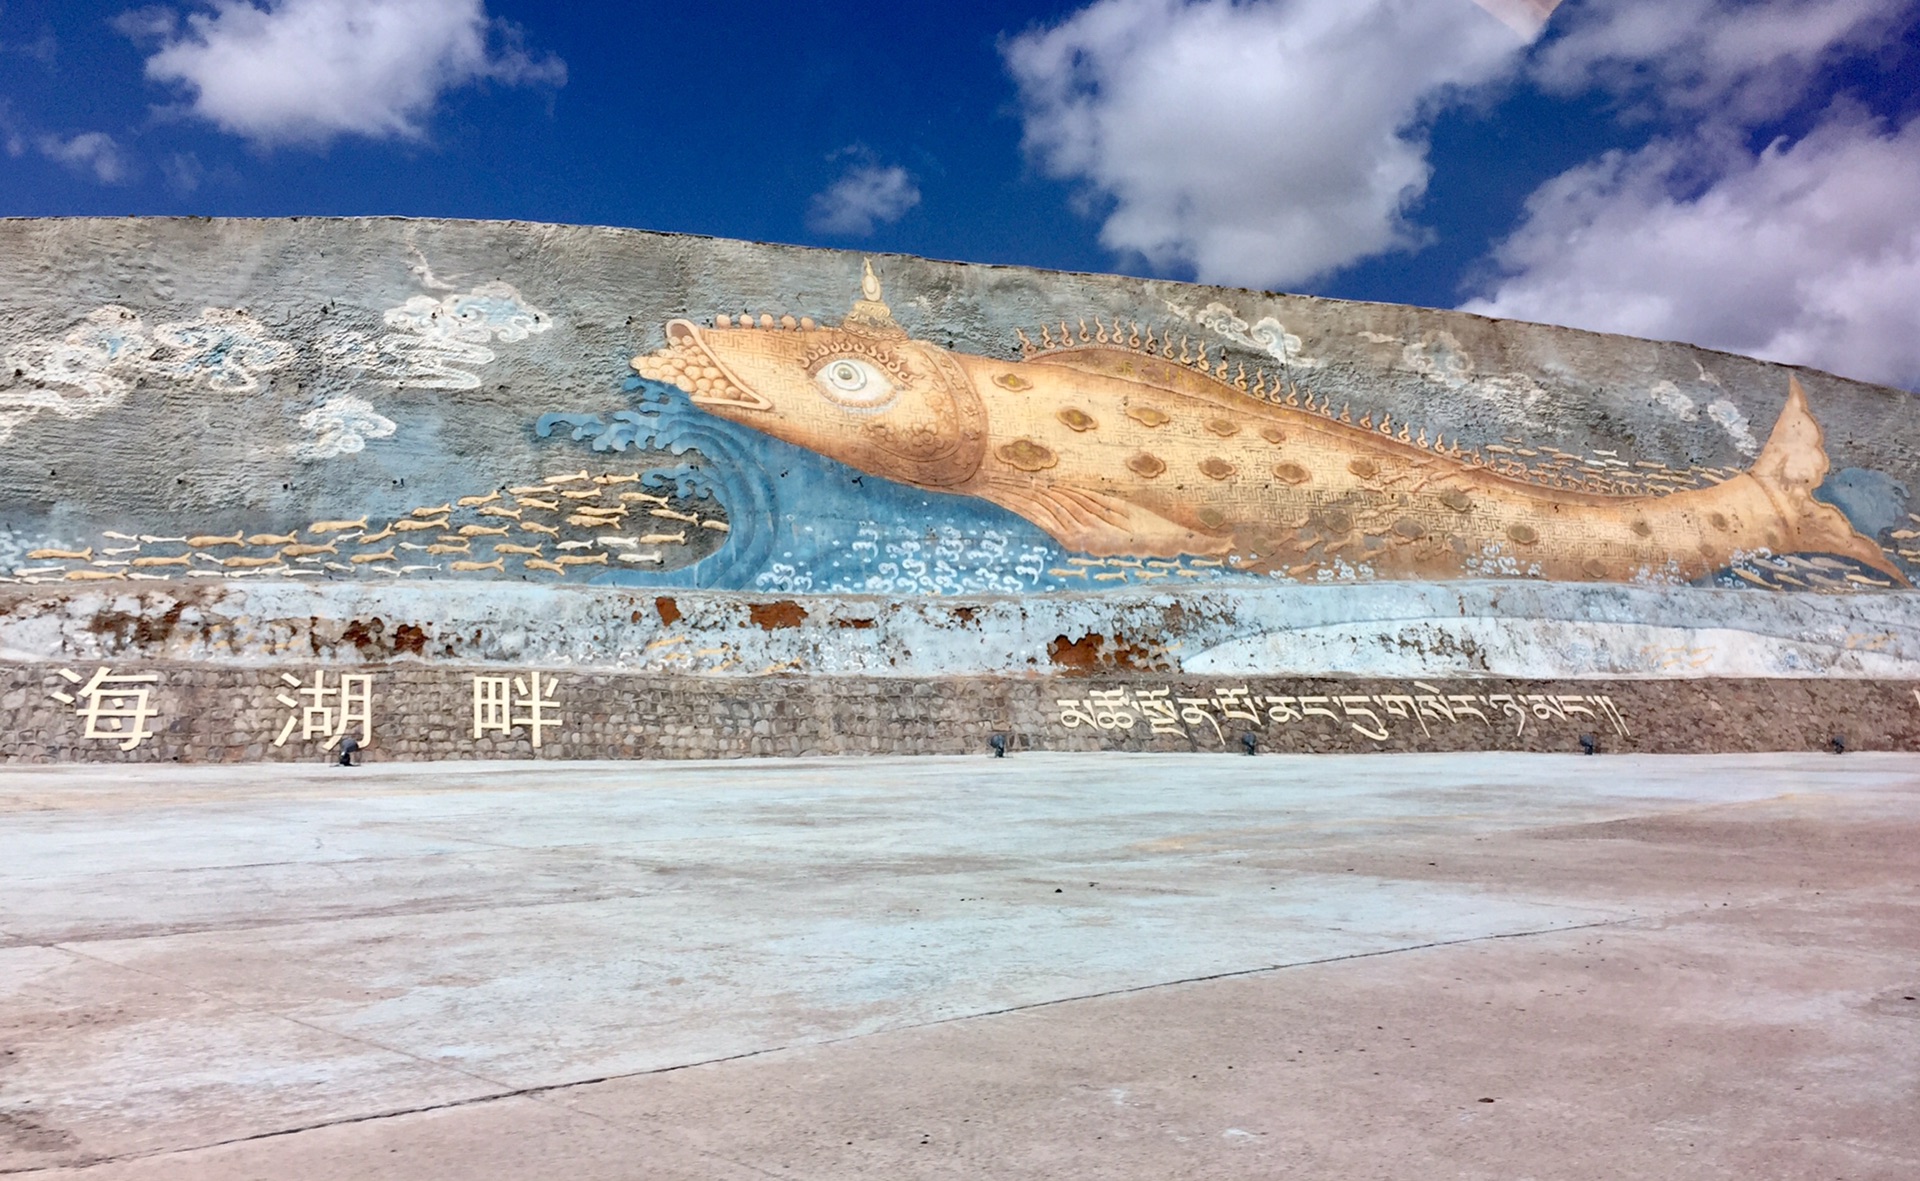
{"x":1051,"y":966}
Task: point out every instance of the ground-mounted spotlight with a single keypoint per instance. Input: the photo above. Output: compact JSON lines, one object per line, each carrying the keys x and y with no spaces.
{"x":1250,"y":742}
{"x":999,"y":744}
{"x":1589,"y":744}
{"x":348,"y":749}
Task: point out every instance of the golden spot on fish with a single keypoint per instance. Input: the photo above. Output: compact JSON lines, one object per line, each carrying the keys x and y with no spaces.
{"x":1226,"y":428}
{"x":1273,"y":434}
{"x":1643,"y":529}
{"x":543,"y":564}
{"x":1457,"y":500}
{"x":1027,"y":455}
{"x":1594,"y":568}
{"x":1291,"y":473}
{"x":384,"y":556}
{"x":1215,"y":468}
{"x":1333,"y":521}
{"x":1409,"y":528}
{"x":1146,"y":466}
{"x":1076,"y":419}
{"x":1012,"y":381}
{"x":1212,"y":517}
{"x":43,"y":555}
{"x":531,"y":551}
{"x":1148,"y":417}
{"x":537,"y":527}
{"x":499,"y":564}
{"x":1718,"y":521}
{"x":1523,"y":534}
{"x":1366,"y":469}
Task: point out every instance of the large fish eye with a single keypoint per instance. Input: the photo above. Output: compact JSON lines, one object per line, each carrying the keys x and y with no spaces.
{"x":854,"y":383}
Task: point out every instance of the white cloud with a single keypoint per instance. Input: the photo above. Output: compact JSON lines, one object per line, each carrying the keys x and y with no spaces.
{"x":1808,"y":253}
{"x":865,"y":196}
{"x":90,"y":151}
{"x":1738,"y":59}
{"x":306,"y":71}
{"x":341,"y":426}
{"x":1259,"y":142}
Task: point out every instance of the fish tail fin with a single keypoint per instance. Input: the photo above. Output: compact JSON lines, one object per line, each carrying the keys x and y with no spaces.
{"x":1790,"y":467}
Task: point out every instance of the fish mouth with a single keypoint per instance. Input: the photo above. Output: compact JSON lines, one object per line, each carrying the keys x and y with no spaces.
{"x":687,"y":362}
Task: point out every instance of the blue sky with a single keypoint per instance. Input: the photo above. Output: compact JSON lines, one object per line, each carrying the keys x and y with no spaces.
{"x":1743,"y":174}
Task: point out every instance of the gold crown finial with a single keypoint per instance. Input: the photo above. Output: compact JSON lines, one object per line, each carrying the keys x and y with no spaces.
{"x":870,"y":314}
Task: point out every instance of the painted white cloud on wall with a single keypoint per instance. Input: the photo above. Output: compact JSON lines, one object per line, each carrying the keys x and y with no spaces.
{"x":439,"y":342}
{"x":341,"y":426}
{"x":308,"y":71}
{"x":865,"y":197}
{"x":1254,"y":143}
{"x":94,"y":365}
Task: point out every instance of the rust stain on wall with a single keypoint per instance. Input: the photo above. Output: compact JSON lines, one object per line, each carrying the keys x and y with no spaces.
{"x":668,"y":609}
{"x":772,"y":616}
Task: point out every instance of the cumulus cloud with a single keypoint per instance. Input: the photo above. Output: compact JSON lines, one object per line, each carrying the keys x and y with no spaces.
{"x":1808,"y":253}
{"x":1258,"y":142}
{"x":307,"y":71}
{"x":866,"y":196}
{"x":1739,"y":59}
{"x":95,"y":152}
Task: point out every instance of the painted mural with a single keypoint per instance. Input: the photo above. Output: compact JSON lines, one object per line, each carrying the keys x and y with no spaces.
{"x":779,"y":453}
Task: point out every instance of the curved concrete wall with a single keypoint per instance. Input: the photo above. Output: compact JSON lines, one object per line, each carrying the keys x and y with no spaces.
{"x":362,"y":442}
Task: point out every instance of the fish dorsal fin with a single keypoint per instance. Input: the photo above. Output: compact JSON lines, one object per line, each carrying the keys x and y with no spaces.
{"x":1145,"y":369}
{"x":1795,"y":457}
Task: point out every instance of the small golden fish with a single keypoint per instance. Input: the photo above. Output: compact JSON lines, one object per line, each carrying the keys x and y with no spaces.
{"x":249,"y":563}
{"x":404,"y":526}
{"x":526,"y":489}
{"x":209,"y":540}
{"x":438,"y":550}
{"x":494,"y":510}
{"x":662,"y":500}
{"x":582,"y":560}
{"x":584,"y":521}
{"x":610,"y":478}
{"x":46,"y":555}
{"x":575,"y":478}
{"x":443,"y":510}
{"x":302,"y":551}
{"x":717,"y":526}
{"x":531,"y":502}
{"x":1110,"y":578}
{"x":384,"y":556}
{"x":336,"y":526}
{"x":370,"y":538}
{"x":256,"y":539}
{"x":477,"y":501}
{"x":537,"y":527}
{"x":182,"y":560}
{"x":499,"y":564}
{"x":543,"y":564}
{"x":481,"y":531}
{"x":89,"y":575}
{"x":679,"y":538}
{"x":583,"y":494}
{"x":669,"y":515}
{"x":532,"y":551}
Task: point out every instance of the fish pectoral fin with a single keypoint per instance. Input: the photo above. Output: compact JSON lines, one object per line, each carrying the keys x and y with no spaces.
{"x":1098,"y":524}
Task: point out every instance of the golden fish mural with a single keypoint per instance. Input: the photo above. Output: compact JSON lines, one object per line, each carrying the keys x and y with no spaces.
{"x":1117,"y":445}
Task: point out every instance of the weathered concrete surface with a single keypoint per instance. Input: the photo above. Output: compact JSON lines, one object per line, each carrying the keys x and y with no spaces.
{"x":1382,"y":629}
{"x":1047,"y":966}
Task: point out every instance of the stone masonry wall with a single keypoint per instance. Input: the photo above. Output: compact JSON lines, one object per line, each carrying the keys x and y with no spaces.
{"x":196,"y":713}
